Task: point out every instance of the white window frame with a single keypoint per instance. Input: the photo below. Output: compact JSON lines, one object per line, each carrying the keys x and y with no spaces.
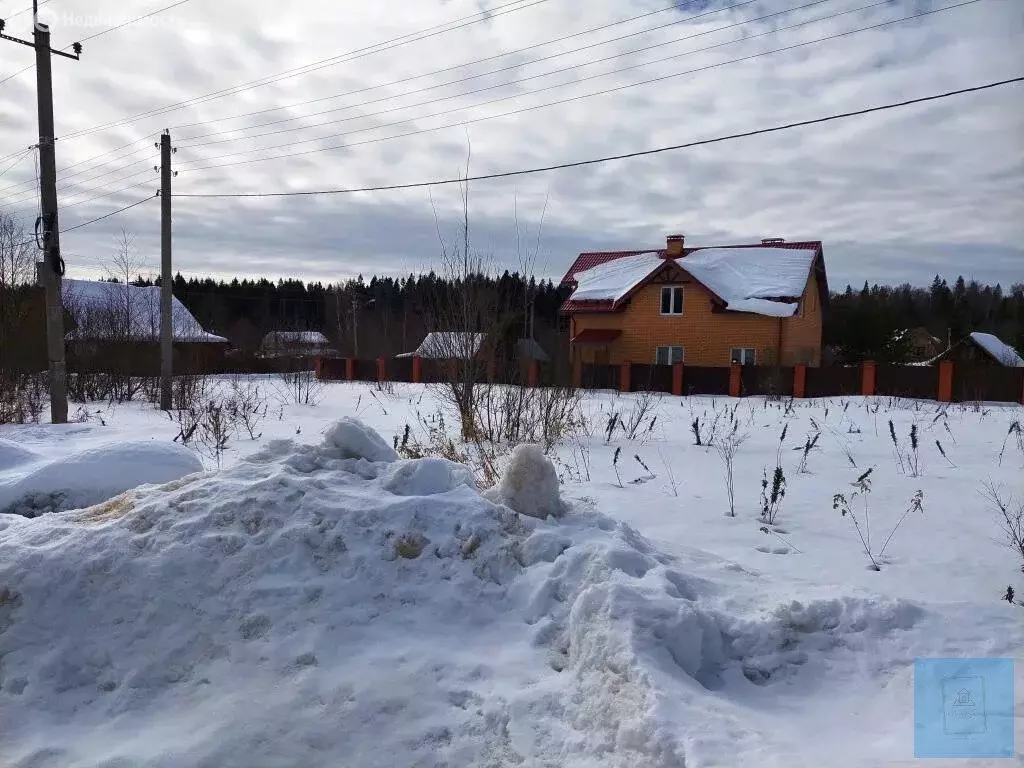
{"x":672,"y":302}
{"x":743,"y":356}
{"x":682,"y":354}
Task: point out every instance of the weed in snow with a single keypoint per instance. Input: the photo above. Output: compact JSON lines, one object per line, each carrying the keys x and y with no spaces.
{"x":847,"y":507}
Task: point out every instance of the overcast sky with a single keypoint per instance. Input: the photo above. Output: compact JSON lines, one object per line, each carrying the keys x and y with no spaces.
{"x":896,"y":196}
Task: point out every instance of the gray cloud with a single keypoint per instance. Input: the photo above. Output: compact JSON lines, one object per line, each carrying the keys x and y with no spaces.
{"x":896,"y":197}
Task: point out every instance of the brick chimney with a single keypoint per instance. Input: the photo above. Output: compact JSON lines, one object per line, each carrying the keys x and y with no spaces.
{"x":674,"y":246}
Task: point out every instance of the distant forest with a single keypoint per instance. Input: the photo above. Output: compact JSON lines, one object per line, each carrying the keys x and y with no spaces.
{"x":394,"y":314}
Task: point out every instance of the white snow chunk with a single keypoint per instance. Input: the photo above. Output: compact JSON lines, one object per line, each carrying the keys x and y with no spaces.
{"x":530,"y":484}
{"x":543,"y":547}
{"x":427,"y":477}
{"x":100,"y":473}
{"x":354,"y":440}
{"x":998,"y":349}
{"x":614,"y":279}
{"x":735,"y":274}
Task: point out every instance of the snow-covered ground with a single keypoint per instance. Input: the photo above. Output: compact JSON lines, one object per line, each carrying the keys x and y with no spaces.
{"x":317,"y":603}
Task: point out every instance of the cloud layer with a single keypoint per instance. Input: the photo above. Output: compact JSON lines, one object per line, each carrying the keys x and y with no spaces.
{"x":897,"y":196}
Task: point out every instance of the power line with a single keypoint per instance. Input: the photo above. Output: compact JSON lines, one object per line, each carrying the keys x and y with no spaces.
{"x":64,"y":178}
{"x":610,"y":158}
{"x":288,"y":74}
{"x":563,"y":38}
{"x":26,"y":10}
{"x":17,"y":160}
{"x":520,"y":80}
{"x":535,"y":107}
{"x":107,"y":216}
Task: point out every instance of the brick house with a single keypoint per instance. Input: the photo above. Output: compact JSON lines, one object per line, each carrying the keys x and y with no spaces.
{"x":758,"y":304}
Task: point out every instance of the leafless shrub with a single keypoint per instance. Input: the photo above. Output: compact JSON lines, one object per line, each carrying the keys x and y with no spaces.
{"x":301,"y":387}
{"x":846,"y":506}
{"x":1011,"y":515}
{"x":22,"y":398}
{"x":1016,"y":432}
{"x":726,"y":448}
{"x":248,"y":406}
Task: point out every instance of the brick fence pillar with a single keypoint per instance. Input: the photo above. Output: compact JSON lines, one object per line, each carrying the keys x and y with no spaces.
{"x":734,"y":380}
{"x":417,"y":370}
{"x":624,"y":377}
{"x":534,"y":374}
{"x":945,"y":381}
{"x":350,"y":369}
{"x":677,"y":379}
{"x":800,"y":380}
{"x":382,"y":369}
{"x":868,"y":374}
{"x":577,"y":373}
{"x":318,"y":367}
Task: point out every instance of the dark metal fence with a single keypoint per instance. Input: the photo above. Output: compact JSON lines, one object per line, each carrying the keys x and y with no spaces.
{"x":907,"y":381}
{"x":829,"y":382}
{"x":700,"y":380}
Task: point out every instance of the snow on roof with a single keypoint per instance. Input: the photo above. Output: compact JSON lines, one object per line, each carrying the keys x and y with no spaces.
{"x":744,"y":278}
{"x":764,"y":307}
{"x":448,"y":345}
{"x":614,"y":279}
{"x":751,"y":273}
{"x":102,"y":310}
{"x":998,"y":349}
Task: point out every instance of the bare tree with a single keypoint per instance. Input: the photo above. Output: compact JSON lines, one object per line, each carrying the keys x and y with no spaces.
{"x":21,"y":388}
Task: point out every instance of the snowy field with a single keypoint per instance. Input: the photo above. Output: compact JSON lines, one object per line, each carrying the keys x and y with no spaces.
{"x":317,"y":601}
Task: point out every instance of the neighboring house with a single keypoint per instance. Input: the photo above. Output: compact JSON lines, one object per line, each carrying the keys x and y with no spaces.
{"x":295,"y":344}
{"x":448,"y":345}
{"x":760,"y":304}
{"x":922,"y":345}
{"x":981,"y":349}
{"x":116,"y":326}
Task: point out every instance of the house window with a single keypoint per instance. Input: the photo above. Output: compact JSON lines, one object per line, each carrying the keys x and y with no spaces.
{"x":669,"y":355}
{"x":672,"y":300}
{"x":743,"y":356}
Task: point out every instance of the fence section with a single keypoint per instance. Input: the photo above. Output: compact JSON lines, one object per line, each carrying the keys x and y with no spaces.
{"x":945,"y":382}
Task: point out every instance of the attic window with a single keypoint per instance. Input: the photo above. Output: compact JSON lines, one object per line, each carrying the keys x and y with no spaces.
{"x":672,"y":300}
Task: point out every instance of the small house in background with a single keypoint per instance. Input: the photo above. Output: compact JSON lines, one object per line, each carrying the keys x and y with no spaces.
{"x":982,"y":349}
{"x":922,"y":345}
{"x":116,"y":327}
{"x":757,"y":304}
{"x":295,"y":344}
{"x":449,"y":345}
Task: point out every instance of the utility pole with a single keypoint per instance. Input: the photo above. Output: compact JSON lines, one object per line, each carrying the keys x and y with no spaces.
{"x":51,"y":269}
{"x":166,"y":321}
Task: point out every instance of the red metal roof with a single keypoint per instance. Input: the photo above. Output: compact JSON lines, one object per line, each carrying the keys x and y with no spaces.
{"x":596,"y":336}
{"x":591,"y":259}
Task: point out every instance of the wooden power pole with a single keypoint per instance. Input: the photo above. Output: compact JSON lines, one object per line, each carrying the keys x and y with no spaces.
{"x":51,"y":269}
{"x":166,"y":319}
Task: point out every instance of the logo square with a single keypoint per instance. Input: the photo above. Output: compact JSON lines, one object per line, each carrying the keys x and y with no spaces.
{"x":963,"y":708}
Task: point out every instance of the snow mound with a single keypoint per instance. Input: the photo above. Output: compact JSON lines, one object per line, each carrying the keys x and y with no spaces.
{"x":13,"y":455}
{"x":427,"y":477}
{"x":93,"y":475}
{"x":312,"y":606}
{"x":355,"y":440}
{"x":529,"y":484}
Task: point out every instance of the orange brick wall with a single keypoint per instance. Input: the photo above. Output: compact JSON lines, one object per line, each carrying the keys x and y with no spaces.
{"x":707,"y":337}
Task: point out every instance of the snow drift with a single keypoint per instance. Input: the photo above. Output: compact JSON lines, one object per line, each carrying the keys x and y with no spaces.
{"x":331,"y":605}
{"x":88,"y":477}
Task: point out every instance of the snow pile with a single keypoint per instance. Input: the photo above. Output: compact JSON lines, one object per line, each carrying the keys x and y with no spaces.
{"x":614,"y":279}
{"x":1000,"y":351}
{"x":88,"y":477}
{"x":331,"y":605}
